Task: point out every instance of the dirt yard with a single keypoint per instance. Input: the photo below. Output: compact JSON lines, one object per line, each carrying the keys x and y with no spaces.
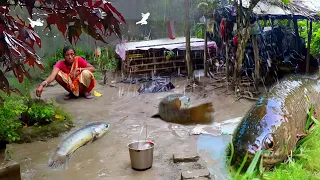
{"x":127,"y":111}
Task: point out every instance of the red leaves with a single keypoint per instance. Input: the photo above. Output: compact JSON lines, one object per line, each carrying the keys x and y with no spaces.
{"x":27,"y":33}
{"x":4,"y":83}
{"x":16,"y":47}
{"x":110,"y":7}
{"x":31,"y":60}
{"x":97,"y":3}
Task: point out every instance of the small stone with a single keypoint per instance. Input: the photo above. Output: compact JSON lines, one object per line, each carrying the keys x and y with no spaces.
{"x":199,"y":173}
{"x":185,"y":157}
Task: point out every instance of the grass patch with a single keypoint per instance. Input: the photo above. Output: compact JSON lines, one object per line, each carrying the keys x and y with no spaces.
{"x":304,"y":163}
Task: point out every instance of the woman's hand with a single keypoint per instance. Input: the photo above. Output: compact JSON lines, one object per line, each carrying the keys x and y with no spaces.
{"x":39,"y":90}
{"x":73,"y":74}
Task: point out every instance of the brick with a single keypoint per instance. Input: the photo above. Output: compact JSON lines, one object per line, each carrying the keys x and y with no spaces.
{"x":185,"y":157}
{"x":199,"y":173}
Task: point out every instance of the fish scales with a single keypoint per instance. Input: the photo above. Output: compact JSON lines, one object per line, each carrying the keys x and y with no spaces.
{"x":75,"y":140}
{"x":175,"y":108}
{"x":276,"y":120}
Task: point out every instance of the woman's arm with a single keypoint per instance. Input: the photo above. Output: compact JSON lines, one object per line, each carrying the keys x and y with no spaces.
{"x":51,"y":77}
{"x":88,"y":67}
{"x":85,"y":65}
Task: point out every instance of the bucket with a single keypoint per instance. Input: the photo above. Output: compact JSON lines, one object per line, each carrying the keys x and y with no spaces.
{"x":141,"y":154}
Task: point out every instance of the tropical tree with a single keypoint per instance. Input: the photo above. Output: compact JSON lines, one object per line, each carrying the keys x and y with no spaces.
{"x":97,"y":18}
{"x":244,"y":29}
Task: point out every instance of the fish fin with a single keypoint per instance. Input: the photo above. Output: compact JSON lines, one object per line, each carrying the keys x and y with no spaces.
{"x":201,"y":114}
{"x":94,"y":136}
{"x":156,"y":116}
{"x":58,"y":161}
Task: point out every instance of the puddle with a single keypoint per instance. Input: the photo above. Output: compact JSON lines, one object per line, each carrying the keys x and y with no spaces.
{"x":212,"y":144}
{"x":212,"y":149}
{"x":216,"y":129}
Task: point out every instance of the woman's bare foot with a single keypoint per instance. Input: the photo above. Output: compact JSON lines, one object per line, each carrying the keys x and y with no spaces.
{"x":69,"y":96}
{"x":88,"y":95}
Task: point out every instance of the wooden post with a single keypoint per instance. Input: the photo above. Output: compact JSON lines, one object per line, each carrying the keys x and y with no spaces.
{"x":205,"y":53}
{"x":187,"y":35}
{"x":296,"y":30}
{"x":256,"y":59}
{"x":154,"y":61}
{"x":308,"y":48}
{"x":227,"y":60}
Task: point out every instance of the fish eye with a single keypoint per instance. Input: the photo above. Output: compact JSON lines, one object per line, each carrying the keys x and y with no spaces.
{"x":269,"y":142}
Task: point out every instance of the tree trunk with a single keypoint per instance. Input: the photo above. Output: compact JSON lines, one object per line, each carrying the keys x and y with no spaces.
{"x":205,"y":53}
{"x":242,"y":24}
{"x":256,"y":59}
{"x":308,"y":48}
{"x":187,"y":35}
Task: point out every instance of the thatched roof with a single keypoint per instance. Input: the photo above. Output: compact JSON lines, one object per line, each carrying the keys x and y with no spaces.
{"x":301,"y":8}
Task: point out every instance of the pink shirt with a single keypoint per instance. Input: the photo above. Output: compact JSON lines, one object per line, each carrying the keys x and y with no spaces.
{"x":82,"y":63}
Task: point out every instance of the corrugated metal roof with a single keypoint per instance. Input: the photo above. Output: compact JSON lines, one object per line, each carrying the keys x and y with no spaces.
{"x":306,"y":8}
{"x":166,"y":43}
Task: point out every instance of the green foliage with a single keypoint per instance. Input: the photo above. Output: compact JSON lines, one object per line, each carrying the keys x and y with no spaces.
{"x":9,"y":123}
{"x":39,"y":114}
{"x":107,"y":61}
{"x":206,"y":7}
{"x":18,"y":112}
{"x":286,"y":2}
{"x":198,"y":31}
{"x":315,"y":41}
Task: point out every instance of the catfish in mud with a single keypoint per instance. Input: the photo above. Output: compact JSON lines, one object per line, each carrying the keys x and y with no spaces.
{"x":170,"y":110}
{"x":75,"y":140}
{"x":277,"y":121}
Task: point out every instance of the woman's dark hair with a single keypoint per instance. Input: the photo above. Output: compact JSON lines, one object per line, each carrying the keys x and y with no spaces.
{"x":67,"y":48}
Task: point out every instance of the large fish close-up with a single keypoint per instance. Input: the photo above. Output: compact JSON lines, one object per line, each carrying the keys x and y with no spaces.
{"x":277,"y":121}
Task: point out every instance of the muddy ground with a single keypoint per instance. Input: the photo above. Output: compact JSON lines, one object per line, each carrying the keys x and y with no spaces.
{"x":127,"y":111}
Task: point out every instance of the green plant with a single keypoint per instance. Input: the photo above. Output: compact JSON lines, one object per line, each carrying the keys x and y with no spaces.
{"x":315,"y":41}
{"x":18,"y":112}
{"x":107,"y":61}
{"x":9,"y":114}
{"x":198,"y":30}
{"x":40,"y":114}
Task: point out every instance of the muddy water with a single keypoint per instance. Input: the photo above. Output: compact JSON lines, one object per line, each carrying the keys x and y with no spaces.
{"x":212,"y":149}
{"x":108,"y":157}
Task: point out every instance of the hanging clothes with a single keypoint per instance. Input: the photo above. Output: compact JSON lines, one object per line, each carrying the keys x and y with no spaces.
{"x":223,"y":29}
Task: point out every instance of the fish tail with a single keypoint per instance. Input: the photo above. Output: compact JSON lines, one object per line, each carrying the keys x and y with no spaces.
{"x":195,"y":115}
{"x":58,"y":161}
{"x":201,"y":114}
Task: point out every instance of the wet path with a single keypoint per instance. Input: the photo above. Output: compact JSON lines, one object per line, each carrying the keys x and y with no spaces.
{"x":108,"y":158}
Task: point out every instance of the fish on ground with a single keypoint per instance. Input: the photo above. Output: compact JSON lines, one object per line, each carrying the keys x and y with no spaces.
{"x":277,"y":121}
{"x":170,"y":110}
{"x":75,"y":140}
